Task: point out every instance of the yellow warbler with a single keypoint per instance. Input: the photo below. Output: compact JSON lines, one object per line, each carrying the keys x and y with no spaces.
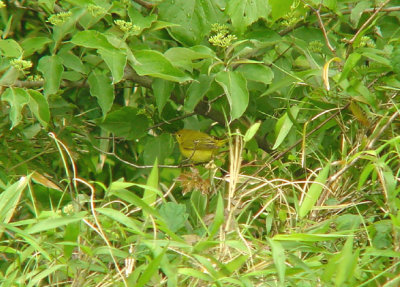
{"x":197,"y":146}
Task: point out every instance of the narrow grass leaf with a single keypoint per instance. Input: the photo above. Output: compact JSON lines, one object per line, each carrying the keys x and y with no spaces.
{"x":195,"y":273}
{"x":278,"y":255}
{"x":284,"y":126}
{"x":121,"y":218}
{"x":151,"y":269}
{"x":52,"y":223}
{"x":44,"y":274}
{"x":314,"y":191}
{"x":10,"y":198}
{"x":219,"y":217}
{"x":149,"y":196}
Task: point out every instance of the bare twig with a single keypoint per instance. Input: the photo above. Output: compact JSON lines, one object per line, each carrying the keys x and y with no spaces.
{"x":145,"y":4}
{"x":321,"y":24}
{"x":366,"y":23}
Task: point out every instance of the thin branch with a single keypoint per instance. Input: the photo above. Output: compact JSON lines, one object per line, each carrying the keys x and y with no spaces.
{"x":145,"y":4}
{"x":366,"y":23}
{"x":321,"y":24}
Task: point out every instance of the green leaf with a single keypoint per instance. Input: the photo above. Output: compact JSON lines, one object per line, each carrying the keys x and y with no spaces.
{"x":121,"y":218}
{"x":174,"y":215}
{"x":284,"y":125}
{"x":219,"y":217}
{"x":235,"y":87}
{"x":351,"y":62}
{"x":32,"y":45}
{"x":314,"y":191}
{"x":245,"y":12}
{"x":257,"y":73}
{"x":196,"y":91}
{"x":395,"y":60}
{"x":116,"y":62}
{"x":102,"y":88}
{"x":151,"y":269}
{"x":139,"y":20}
{"x":278,"y":255}
{"x":51,"y":67}
{"x":358,"y":10}
{"x":73,"y":62}
{"x":10,"y":197}
{"x":158,"y":147}
{"x":10,"y":48}
{"x":126,"y":122}
{"x":162,"y":92}
{"x":52,"y":223}
{"x":194,"y":18}
{"x":149,"y":196}
{"x":279,"y":8}
{"x":92,"y":39}
{"x":184,"y":57}
{"x":17,"y":99}
{"x":251,"y":132}
{"x":153,"y":63}
{"x":39,"y":106}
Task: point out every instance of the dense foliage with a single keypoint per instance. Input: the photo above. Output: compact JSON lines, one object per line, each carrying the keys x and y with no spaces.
{"x":94,"y":191}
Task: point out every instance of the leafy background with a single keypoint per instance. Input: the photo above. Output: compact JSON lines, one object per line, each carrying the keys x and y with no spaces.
{"x":93,"y":188}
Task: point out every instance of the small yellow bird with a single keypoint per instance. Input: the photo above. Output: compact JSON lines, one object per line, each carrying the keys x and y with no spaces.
{"x":197,"y":146}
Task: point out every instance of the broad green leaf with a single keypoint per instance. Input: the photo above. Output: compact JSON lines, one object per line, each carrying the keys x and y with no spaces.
{"x":126,"y":122}
{"x":67,"y":27}
{"x":9,"y":77}
{"x":314,"y":191}
{"x":101,"y":88}
{"x":51,"y":67}
{"x":245,"y":12}
{"x":10,"y":48}
{"x":158,"y":147}
{"x":162,"y":92}
{"x":139,"y":20}
{"x":358,"y":10}
{"x":280,"y":8}
{"x":17,"y":98}
{"x":195,"y":18}
{"x":278,"y":255}
{"x":257,"y":73}
{"x":72,"y":62}
{"x":351,"y":62}
{"x":174,"y":215}
{"x":235,"y":87}
{"x":284,"y":126}
{"x":184,"y":57}
{"x":149,"y":196}
{"x":32,"y":45}
{"x":153,"y":63}
{"x":52,"y":223}
{"x":251,"y":132}
{"x":116,"y":62}
{"x":196,"y":91}
{"x":39,"y":106}
{"x":92,"y":39}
